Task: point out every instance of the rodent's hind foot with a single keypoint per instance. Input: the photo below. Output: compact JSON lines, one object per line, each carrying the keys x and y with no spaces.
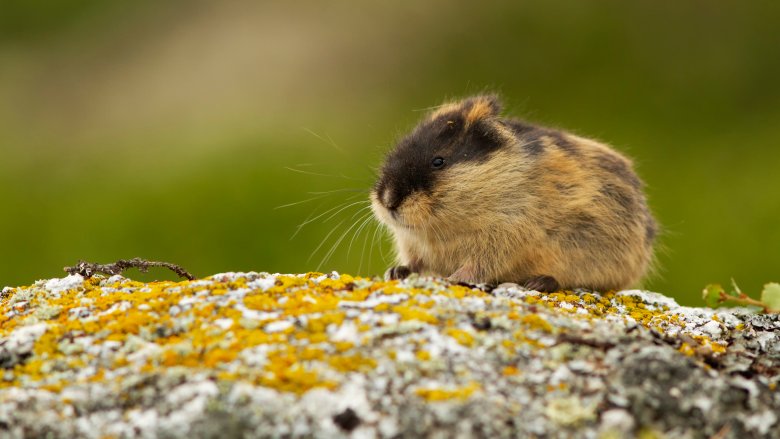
{"x":399,"y":272}
{"x":464,"y":275}
{"x":543,"y":284}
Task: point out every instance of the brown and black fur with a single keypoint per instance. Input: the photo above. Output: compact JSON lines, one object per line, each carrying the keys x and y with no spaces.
{"x":512,"y":202}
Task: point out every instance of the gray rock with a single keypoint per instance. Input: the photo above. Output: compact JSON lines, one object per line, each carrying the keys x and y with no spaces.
{"x":261,"y":355}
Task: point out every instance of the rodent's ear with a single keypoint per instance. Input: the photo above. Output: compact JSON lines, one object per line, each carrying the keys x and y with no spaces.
{"x":472,"y":109}
{"x":481,"y":107}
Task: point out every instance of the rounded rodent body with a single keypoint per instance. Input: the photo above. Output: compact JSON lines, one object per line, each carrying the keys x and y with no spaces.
{"x":486,"y":199}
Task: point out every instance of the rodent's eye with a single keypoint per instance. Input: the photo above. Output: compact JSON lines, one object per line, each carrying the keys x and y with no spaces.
{"x":437,"y":162}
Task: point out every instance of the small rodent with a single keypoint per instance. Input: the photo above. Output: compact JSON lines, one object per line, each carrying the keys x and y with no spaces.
{"x":482,"y":198}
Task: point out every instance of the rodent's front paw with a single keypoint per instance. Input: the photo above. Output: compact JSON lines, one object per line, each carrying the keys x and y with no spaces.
{"x":543,"y":284}
{"x":398,"y":272}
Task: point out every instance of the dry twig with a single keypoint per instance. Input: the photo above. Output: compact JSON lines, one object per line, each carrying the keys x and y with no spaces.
{"x":88,"y":269}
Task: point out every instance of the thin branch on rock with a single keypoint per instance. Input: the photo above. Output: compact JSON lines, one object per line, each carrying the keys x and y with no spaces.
{"x":88,"y":269}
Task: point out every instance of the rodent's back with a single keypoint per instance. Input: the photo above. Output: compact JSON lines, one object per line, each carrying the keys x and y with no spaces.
{"x":592,"y":214}
{"x":533,"y":202}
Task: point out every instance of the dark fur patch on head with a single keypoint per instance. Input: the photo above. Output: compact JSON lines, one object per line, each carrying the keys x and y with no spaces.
{"x":479,"y":142}
{"x":446,"y":126}
{"x":616,"y":165}
{"x":408,"y":167}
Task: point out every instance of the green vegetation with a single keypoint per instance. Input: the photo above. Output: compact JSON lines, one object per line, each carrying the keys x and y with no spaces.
{"x":165,"y":131}
{"x":716,"y":296}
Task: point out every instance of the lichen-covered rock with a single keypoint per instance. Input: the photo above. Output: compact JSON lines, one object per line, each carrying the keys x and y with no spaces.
{"x":261,"y":355}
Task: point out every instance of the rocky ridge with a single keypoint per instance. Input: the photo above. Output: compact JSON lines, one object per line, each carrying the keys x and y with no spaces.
{"x":329,"y":355}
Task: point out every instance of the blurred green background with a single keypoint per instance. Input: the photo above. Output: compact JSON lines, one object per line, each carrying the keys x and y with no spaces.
{"x":165,"y":130}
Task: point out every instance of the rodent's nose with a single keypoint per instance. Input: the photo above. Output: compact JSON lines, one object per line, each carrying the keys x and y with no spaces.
{"x":388,"y":200}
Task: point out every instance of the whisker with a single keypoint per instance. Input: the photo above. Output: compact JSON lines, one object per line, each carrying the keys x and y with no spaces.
{"x":319,"y":174}
{"x":323,"y":241}
{"x":346,"y":207}
{"x":373,"y":242}
{"x":360,"y":212}
{"x":360,"y":190}
{"x":300,"y":226}
{"x":373,"y":172}
{"x":328,"y":141}
{"x":363,"y":250}
{"x":321,"y":196}
{"x":435,"y":107}
{"x":352,"y":209}
{"x":387,"y":236}
{"x":333,"y":143}
{"x":366,"y":220}
{"x":337,"y":243}
{"x":310,"y":220}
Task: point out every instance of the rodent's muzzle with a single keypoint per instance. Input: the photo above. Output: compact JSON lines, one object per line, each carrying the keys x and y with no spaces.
{"x":387,"y":198}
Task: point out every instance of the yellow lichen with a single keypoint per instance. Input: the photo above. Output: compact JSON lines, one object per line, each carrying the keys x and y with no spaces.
{"x":535,"y":321}
{"x":510,"y":371}
{"x":414,"y":313}
{"x":287,"y":329}
{"x":687,"y":349}
{"x":462,"y":337}
{"x":440,"y":394}
{"x":423,"y":355}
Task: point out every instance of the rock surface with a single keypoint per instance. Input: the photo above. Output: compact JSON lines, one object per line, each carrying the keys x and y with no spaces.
{"x":261,"y":355}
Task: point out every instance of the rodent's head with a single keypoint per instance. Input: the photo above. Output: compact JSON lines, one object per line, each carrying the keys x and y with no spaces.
{"x":432,"y":172}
